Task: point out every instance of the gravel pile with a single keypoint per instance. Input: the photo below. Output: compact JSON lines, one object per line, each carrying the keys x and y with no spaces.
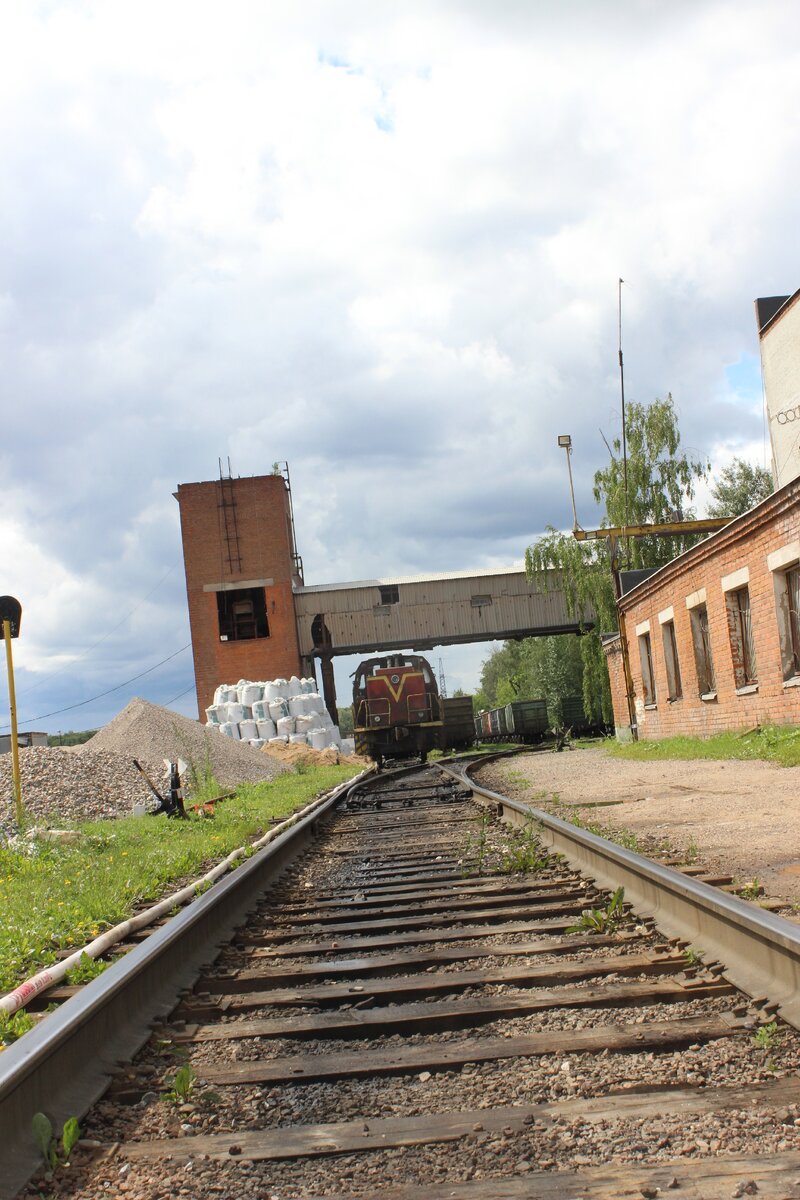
{"x":144,"y":730}
{"x":61,"y":785}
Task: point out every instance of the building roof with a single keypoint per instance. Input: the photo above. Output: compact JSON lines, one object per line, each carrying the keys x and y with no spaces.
{"x":709,"y":544}
{"x":430,"y":577}
{"x":770,"y":309}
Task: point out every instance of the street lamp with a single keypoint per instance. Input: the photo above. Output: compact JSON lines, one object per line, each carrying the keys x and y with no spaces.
{"x":565,"y":441}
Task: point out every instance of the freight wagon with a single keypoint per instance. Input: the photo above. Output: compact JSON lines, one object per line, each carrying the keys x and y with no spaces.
{"x":520,"y":721}
{"x":458,"y":729}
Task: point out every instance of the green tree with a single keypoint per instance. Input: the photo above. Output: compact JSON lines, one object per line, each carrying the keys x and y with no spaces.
{"x":661,"y":481}
{"x":739,"y":486}
{"x":547,"y":668}
{"x":345,"y":721}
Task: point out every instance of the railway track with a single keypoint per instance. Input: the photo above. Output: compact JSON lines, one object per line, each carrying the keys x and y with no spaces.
{"x":409,"y":1003}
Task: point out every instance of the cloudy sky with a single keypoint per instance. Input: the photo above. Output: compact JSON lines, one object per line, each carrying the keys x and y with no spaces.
{"x":381,"y":242}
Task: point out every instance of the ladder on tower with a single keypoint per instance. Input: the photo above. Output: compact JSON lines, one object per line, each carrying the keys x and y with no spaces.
{"x":229,"y":529}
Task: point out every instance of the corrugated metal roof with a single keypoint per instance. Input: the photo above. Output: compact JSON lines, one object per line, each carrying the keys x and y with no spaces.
{"x":388,"y":580}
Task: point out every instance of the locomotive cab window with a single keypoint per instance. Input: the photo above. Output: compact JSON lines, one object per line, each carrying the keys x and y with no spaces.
{"x":242,"y":614}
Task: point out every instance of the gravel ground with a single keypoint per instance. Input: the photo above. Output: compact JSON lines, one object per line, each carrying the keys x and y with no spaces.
{"x":740,"y":816}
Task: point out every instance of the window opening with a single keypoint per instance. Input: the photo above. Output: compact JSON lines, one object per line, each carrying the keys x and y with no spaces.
{"x":480,"y":601}
{"x":390,"y":594}
{"x":242,"y":614}
{"x":648,"y":680}
{"x":704,"y":662}
{"x":743,"y":650}
{"x":674,"y":689}
{"x":793,"y":597}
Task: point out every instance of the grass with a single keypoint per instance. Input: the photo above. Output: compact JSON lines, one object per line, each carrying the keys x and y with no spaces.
{"x":62,"y":895}
{"x":778,"y":744}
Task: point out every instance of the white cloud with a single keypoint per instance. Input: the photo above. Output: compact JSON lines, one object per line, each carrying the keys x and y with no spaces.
{"x":379,"y":242}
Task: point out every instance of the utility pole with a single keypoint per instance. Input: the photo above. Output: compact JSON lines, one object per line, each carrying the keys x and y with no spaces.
{"x":442,"y":680}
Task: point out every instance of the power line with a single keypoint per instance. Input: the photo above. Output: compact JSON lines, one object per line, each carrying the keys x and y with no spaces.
{"x":99,"y":642}
{"x":179,"y":696}
{"x":108,"y":692}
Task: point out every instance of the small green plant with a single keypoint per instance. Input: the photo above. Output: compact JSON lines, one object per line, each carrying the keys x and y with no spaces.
{"x":85,"y":970}
{"x":55,"y":1155}
{"x":13,"y":1025}
{"x":527,"y":854}
{"x":751,"y":890}
{"x":183,"y":1082}
{"x":601,"y":920}
{"x":692,"y":851}
{"x":692,"y":956}
{"x":473,"y":864}
{"x":767,"y":1037}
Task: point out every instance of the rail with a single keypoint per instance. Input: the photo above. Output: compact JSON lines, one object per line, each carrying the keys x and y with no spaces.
{"x":760,"y":951}
{"x":64,"y":1064}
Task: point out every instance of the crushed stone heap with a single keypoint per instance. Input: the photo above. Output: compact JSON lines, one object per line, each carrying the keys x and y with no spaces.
{"x":98,"y":779}
{"x":60,"y":786}
{"x":145,"y":731}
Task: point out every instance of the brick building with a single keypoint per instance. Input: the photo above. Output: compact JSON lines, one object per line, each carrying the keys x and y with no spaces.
{"x":714,"y":636}
{"x":241,"y":563}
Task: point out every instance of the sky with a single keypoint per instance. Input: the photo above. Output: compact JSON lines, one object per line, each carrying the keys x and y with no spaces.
{"x":381,"y":242}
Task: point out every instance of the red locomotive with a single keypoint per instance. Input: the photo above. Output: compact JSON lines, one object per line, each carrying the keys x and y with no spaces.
{"x":397,"y":712}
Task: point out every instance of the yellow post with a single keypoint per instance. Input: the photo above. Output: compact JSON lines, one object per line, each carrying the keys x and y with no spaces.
{"x":12,"y":699}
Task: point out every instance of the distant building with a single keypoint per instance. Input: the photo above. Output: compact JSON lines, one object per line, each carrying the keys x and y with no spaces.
{"x":24,"y":740}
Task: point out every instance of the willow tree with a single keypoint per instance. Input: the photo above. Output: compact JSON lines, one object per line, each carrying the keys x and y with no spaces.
{"x":660,"y":487}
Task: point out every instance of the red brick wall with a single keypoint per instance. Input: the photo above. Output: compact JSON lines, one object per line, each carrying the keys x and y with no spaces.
{"x":262,"y":521}
{"x":746,"y":543}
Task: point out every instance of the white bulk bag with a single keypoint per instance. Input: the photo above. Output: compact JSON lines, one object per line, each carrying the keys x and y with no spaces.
{"x":318,"y":738}
{"x":294,"y":687}
{"x":298,"y":739}
{"x":230,"y":729}
{"x":284,"y":740}
{"x":348,"y":746}
{"x":260,"y":710}
{"x":283,"y":687}
{"x":271,"y":690}
{"x":248,"y":730}
{"x":266,"y":729}
{"x":305,"y":723}
{"x":234,"y":712}
{"x":251,"y":693}
{"x":307,"y":686}
{"x":278,"y":708}
{"x":297,"y":706}
{"x":212,"y":715}
{"x":285,"y":726}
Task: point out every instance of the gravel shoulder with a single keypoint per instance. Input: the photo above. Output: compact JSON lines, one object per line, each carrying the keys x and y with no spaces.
{"x":741,"y":816}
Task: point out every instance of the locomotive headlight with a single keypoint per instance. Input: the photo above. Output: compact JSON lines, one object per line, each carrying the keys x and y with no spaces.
{"x":395,"y":679}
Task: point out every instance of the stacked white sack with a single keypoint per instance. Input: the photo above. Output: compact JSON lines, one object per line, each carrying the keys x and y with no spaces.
{"x":275,"y":710}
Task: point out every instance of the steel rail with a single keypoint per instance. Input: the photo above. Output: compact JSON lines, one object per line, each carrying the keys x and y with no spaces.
{"x":63,"y":1065}
{"x":760,"y":951}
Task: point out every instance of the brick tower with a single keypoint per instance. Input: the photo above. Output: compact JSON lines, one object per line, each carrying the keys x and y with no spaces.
{"x":240,"y":560}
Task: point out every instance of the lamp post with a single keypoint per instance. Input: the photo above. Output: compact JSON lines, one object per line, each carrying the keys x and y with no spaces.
{"x":565,"y":440}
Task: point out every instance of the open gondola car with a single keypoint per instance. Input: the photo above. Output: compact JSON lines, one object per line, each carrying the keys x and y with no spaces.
{"x":396,"y":708}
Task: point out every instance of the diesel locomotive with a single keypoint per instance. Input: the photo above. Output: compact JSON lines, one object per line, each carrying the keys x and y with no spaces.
{"x":397,"y":712}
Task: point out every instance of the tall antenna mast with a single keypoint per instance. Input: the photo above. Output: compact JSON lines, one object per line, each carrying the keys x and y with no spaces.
{"x":442,"y":681}
{"x":622,"y":395}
